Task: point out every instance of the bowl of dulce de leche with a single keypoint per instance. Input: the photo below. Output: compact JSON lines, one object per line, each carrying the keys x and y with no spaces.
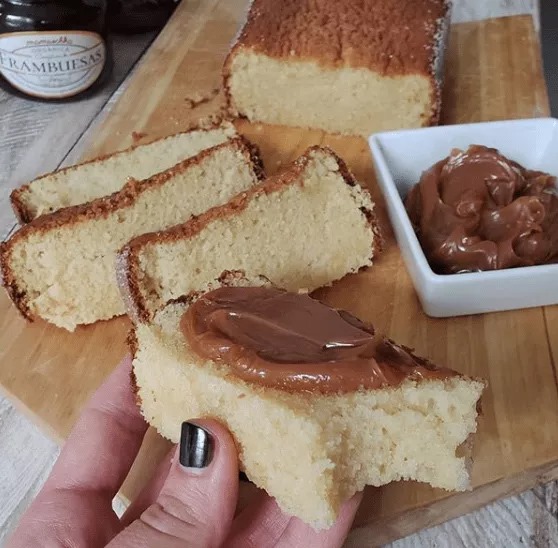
{"x":474,"y":208}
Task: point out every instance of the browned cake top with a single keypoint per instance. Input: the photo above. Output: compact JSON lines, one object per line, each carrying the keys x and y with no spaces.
{"x":389,"y":36}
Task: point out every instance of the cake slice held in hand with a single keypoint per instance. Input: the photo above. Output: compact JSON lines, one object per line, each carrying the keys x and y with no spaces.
{"x":304,"y":228}
{"x":61,"y":267}
{"x":319,"y":404}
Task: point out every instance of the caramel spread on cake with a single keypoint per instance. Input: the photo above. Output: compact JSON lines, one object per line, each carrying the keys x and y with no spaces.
{"x":477,"y":210}
{"x":295,"y":343}
{"x":391,"y":36}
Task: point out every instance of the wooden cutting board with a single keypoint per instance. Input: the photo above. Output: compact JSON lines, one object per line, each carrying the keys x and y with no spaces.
{"x":493,"y":72}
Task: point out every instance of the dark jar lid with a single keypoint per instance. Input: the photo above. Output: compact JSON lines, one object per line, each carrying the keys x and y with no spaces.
{"x":130,"y":16}
{"x":26,"y":15}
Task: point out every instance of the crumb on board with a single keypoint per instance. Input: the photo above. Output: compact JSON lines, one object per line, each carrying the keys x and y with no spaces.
{"x":199,"y":98}
{"x":138,"y":136}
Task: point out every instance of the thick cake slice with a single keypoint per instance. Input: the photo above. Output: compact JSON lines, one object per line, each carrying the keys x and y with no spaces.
{"x":303,"y":228}
{"x":90,"y":180}
{"x":318,"y":405}
{"x":61,"y":267}
{"x":353,"y":67}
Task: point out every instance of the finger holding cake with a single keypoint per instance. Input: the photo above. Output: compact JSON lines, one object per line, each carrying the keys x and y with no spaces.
{"x":318,"y":404}
{"x":342,"y":407}
{"x":311,"y":432}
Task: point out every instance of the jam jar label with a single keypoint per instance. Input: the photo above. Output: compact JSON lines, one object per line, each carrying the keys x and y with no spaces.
{"x":52,"y":64}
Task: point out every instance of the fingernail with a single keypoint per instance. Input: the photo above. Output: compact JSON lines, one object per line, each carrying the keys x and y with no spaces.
{"x":196,"y":446}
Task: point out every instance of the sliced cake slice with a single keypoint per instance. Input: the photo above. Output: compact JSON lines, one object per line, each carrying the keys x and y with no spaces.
{"x":318,"y":404}
{"x":304,"y":228}
{"x":351,"y":66}
{"x":87,"y":181}
{"x":61,"y":267}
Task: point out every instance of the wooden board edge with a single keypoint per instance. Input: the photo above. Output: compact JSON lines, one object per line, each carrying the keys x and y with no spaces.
{"x":412,"y":521}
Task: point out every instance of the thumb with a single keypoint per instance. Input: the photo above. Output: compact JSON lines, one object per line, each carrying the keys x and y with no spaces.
{"x":197,"y":502}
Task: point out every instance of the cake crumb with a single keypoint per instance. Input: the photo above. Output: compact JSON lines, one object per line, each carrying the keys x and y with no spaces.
{"x":199,"y":98}
{"x":138,"y":136}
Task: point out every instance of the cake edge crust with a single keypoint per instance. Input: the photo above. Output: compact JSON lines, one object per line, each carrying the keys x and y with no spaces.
{"x":101,"y":208}
{"x":127,"y":262}
{"x":17,"y":197}
{"x":435,"y":73}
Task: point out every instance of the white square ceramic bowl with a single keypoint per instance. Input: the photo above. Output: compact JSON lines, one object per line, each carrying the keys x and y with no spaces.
{"x":401,"y":156}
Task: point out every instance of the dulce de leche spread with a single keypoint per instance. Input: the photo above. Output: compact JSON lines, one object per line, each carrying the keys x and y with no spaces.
{"x":295,"y":343}
{"x":476,"y":210}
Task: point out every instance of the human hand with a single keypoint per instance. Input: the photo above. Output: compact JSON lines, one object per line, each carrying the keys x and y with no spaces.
{"x":190,"y":501}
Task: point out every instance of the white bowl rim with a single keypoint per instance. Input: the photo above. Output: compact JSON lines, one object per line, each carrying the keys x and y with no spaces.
{"x":454,"y":127}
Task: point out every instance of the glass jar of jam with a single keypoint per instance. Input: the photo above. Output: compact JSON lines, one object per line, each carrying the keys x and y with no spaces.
{"x":53,"y":49}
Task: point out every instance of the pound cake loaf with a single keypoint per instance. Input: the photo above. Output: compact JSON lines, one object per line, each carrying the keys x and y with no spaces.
{"x":304,"y":228}
{"x":61,"y":267}
{"x":351,"y":67}
{"x":318,"y":404}
{"x":97,"y":178}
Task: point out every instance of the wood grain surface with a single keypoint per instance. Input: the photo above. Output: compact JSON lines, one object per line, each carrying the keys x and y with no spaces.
{"x":55,"y":364}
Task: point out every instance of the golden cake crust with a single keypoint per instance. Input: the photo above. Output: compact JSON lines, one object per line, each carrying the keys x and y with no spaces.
{"x":100,"y":208}
{"x":391,"y":37}
{"x":128,"y":267}
{"x":17,"y":196}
